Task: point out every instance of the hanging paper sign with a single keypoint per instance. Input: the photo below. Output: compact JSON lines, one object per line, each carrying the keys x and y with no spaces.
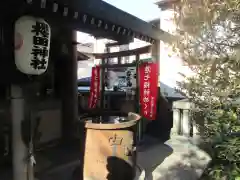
{"x":131,"y":77}
{"x":148,"y":89}
{"x":32,"y":44}
{"x":94,"y":88}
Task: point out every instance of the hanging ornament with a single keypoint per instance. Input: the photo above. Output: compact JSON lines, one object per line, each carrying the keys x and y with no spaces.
{"x":106,"y":27}
{"x":65,"y":11}
{"x":118,"y":30}
{"x":124,"y":31}
{"x":75,"y":15}
{"x":43,"y":4}
{"x":99,"y":23}
{"x":92,"y":21}
{"x":113,"y":27}
{"x":84,"y":18}
{"x":55,"y":7}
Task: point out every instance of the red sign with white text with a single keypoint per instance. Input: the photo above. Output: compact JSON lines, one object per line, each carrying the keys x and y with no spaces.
{"x":94,"y":88}
{"x":148,"y":89}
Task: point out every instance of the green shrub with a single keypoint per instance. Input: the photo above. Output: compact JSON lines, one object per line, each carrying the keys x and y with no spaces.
{"x":224,"y":144}
{"x":209,"y":43}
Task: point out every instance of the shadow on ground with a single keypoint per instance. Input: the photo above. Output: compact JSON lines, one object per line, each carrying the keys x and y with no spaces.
{"x":151,"y":155}
{"x":177,"y":159}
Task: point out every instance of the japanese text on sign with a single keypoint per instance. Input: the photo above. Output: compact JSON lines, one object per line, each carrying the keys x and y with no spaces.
{"x":115,"y":140}
{"x":95,"y":87}
{"x":148,"y":89}
{"x":40,"y":44}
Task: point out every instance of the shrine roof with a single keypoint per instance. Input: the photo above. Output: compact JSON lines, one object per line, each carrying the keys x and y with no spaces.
{"x":95,"y":17}
{"x":141,"y":29}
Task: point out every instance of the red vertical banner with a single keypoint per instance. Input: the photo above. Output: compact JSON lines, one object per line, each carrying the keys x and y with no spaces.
{"x":94,"y":88}
{"x":148,"y":89}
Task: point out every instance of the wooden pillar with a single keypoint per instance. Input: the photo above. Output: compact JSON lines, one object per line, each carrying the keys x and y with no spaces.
{"x":156,"y":51}
{"x":18,"y":147}
{"x":69,"y":91}
{"x":137,"y":103}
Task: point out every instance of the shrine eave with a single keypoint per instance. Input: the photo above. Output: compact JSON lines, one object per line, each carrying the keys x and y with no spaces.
{"x":95,"y":17}
{"x":140,"y":29}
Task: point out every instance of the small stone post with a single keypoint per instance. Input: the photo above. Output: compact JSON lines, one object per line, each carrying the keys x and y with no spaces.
{"x":182,"y":122}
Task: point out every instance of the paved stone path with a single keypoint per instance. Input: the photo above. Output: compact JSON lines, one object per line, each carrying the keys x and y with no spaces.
{"x":177,"y":159}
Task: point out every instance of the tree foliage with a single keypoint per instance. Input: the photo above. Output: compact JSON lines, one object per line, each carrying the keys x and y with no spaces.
{"x":209,"y":43}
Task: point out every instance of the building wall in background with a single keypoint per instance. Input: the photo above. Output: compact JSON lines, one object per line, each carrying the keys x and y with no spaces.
{"x":170,"y":64}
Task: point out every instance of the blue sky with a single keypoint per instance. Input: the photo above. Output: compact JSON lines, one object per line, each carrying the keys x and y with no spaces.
{"x":143,"y":9}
